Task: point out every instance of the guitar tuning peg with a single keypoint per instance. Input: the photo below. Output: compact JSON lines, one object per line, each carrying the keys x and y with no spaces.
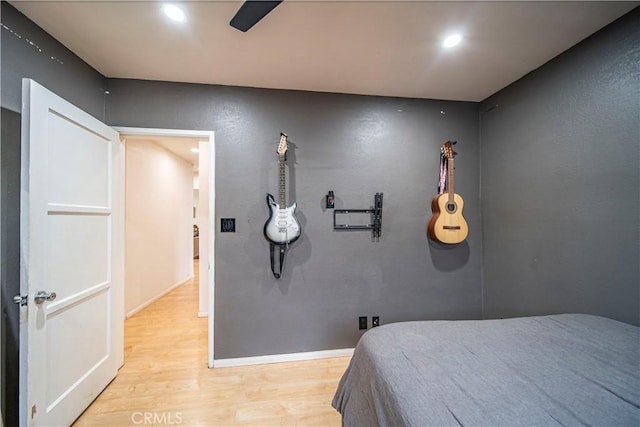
{"x":454,"y":142}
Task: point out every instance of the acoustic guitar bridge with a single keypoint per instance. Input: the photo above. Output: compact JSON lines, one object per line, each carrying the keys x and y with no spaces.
{"x":451,"y":227}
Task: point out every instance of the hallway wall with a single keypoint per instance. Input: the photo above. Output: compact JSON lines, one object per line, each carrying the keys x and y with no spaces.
{"x":158,"y":223}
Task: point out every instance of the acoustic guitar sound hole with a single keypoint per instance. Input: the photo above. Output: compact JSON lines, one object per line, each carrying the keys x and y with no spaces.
{"x":451,"y":207}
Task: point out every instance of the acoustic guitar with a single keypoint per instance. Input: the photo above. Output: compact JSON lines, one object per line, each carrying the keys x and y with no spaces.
{"x":447,"y":225}
{"x":282,"y":227}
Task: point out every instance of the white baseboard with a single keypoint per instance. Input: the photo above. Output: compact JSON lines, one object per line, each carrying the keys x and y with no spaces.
{"x":203,"y":314}
{"x":156,"y":298}
{"x":279,"y":358}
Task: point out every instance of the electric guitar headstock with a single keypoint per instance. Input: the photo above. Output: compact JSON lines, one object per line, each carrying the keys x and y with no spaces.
{"x":282,"y":147}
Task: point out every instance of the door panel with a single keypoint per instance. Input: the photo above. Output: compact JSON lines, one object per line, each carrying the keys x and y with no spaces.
{"x":72,"y":235}
{"x":85,"y":263}
{"x":83,"y":162}
{"x":62,"y":348}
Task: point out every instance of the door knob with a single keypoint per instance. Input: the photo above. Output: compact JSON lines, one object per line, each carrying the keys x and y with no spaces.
{"x":42,"y":296}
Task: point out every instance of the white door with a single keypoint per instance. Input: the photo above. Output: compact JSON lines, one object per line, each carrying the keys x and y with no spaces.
{"x":72,"y":244}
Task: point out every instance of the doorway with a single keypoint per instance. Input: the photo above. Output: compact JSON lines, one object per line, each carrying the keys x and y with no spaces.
{"x":204,"y":211}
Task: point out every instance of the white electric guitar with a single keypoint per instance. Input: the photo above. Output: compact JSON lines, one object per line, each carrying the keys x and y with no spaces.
{"x":282,"y":226}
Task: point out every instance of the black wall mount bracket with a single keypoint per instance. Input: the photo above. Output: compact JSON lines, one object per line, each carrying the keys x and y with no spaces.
{"x":375,"y":214}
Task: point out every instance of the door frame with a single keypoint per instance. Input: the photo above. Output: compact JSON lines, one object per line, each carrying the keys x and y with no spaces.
{"x":208,"y":136}
{"x":1,"y":306}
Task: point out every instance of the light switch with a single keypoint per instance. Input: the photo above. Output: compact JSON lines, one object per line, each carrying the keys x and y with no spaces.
{"x":227,"y":225}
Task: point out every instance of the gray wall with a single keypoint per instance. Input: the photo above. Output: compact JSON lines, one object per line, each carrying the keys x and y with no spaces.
{"x":70,"y":78}
{"x":355,"y":146}
{"x":560,"y":183}
{"x":10,"y":262}
{"x":558,"y":234}
{"x":46,"y":61}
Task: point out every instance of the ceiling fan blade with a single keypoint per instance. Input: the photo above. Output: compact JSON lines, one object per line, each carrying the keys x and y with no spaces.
{"x":251,"y":12}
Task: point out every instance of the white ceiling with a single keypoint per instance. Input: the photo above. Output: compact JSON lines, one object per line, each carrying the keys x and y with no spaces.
{"x":389,"y":48}
{"x":180,"y":146}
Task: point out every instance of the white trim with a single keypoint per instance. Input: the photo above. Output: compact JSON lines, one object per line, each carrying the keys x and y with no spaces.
{"x":212,"y":246}
{"x":1,"y":306}
{"x":156,"y":298}
{"x":164,"y":132}
{"x":57,"y":208}
{"x":280,"y":358}
{"x":203,"y":314}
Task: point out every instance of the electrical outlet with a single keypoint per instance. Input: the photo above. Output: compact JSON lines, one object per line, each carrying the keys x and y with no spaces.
{"x":375,"y":321}
{"x":362,"y":322}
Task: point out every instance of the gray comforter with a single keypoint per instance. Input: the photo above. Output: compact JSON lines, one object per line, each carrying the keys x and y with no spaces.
{"x":565,"y":369}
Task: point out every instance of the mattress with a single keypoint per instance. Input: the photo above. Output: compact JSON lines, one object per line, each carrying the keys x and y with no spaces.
{"x":568,"y":369}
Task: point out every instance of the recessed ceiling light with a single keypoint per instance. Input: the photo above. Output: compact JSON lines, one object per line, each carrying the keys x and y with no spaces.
{"x":194,"y":150}
{"x":452,"y":40}
{"x":174,"y":12}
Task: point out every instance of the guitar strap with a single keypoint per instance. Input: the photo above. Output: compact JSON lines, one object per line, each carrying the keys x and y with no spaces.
{"x":283,"y":249}
{"x":442,"y":184}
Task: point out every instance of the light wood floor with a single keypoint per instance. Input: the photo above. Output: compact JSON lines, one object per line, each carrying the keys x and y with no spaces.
{"x":165,"y":379}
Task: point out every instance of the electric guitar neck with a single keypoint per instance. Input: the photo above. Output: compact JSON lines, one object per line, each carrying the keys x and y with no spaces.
{"x":282,"y":227}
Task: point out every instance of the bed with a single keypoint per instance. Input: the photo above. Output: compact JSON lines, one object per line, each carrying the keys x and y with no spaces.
{"x":568,"y":369}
